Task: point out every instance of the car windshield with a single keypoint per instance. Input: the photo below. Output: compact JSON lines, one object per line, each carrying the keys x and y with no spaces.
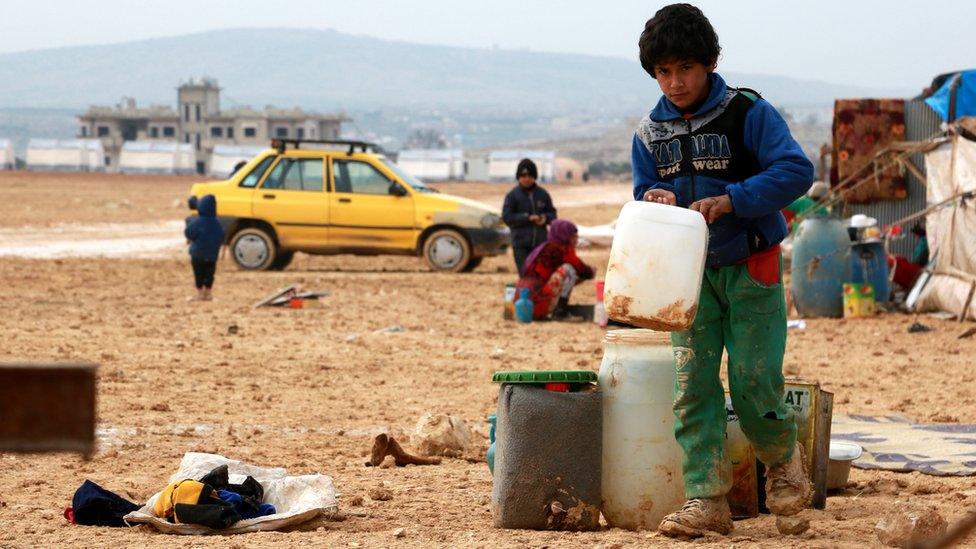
{"x":417,"y":184}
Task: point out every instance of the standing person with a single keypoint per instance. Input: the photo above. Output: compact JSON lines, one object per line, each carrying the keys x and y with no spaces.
{"x":726,"y":153}
{"x":527,"y":211}
{"x":552,"y":270}
{"x":206,"y":236}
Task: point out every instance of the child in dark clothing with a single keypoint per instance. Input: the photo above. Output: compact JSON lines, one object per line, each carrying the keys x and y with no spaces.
{"x":206,"y":236}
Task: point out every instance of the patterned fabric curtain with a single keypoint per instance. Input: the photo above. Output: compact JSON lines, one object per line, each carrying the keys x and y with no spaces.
{"x":862,"y":127}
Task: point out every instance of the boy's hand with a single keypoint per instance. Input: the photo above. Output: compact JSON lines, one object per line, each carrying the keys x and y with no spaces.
{"x":714,"y":207}
{"x":660,"y":196}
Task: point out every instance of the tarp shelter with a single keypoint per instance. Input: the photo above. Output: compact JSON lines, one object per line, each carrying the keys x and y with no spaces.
{"x":502,"y":164}
{"x":225,"y":157}
{"x":7,"y":160}
{"x":956,"y":98}
{"x":75,"y":155}
{"x":433,"y":164}
{"x":951,"y":230}
{"x":156,"y":157}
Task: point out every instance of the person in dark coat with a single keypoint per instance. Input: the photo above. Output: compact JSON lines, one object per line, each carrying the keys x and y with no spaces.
{"x":527,"y":211}
{"x":552,"y":270}
{"x":206,"y":236}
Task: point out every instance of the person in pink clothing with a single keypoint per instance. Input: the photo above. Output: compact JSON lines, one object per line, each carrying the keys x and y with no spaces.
{"x":552,"y":270}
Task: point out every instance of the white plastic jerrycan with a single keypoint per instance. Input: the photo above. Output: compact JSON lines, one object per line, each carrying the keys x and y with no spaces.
{"x":657,"y":260}
{"x":641,"y":467}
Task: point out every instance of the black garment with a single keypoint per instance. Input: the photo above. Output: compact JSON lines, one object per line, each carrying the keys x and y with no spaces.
{"x":96,"y":506}
{"x":521,"y":253}
{"x":251,"y":491}
{"x":526,"y":167}
{"x":203,"y":272}
{"x":519,"y":204}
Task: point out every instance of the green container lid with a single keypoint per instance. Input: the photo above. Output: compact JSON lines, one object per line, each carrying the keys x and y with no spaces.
{"x":545,"y":376}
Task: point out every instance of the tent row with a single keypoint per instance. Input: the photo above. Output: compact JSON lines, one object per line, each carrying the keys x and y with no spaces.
{"x":453,"y":165}
{"x":157,"y":157}
{"x":75,"y":155}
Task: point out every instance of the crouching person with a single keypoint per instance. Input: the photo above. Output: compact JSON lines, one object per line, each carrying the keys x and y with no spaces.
{"x":552,"y":270}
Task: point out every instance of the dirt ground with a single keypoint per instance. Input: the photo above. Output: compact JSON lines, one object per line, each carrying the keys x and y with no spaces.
{"x":307,"y":389}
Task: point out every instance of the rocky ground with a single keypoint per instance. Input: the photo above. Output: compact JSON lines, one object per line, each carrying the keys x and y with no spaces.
{"x":307,"y":389}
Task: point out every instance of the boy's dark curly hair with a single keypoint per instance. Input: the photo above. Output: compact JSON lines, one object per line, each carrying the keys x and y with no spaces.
{"x":675,"y":33}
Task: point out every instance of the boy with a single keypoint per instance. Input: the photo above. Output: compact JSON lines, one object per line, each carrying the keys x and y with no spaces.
{"x":725,"y":153}
{"x":527,"y":211}
{"x":206,"y":236}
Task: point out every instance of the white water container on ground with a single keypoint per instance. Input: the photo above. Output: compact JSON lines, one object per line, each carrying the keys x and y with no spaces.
{"x":656,"y":265}
{"x":641,"y":467}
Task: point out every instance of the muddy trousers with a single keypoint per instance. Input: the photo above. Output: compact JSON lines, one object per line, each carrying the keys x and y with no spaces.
{"x":748,"y":319}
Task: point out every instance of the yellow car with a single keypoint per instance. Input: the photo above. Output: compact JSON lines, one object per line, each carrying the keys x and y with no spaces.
{"x":343,"y":197}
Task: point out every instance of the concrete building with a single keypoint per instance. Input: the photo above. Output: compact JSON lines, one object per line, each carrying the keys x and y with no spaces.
{"x":199,"y":121}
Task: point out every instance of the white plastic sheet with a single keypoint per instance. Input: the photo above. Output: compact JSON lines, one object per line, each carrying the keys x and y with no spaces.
{"x":297,"y":499}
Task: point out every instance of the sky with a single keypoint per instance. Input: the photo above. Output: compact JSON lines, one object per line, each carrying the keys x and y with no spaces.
{"x":894,"y":44}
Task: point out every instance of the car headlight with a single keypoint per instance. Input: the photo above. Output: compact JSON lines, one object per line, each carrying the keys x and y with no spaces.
{"x":490,"y":220}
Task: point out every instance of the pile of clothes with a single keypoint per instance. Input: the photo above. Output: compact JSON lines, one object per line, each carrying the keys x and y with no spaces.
{"x":211,"y":501}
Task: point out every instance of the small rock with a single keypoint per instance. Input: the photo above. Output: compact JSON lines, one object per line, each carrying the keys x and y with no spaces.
{"x":792,"y":526}
{"x":356,"y":501}
{"x":399,"y":532}
{"x":442,"y":435}
{"x":907,"y":525}
{"x":380,"y":493}
{"x":160,"y":407}
{"x":233,"y":329}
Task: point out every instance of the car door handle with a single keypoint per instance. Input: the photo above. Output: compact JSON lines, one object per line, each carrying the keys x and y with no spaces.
{"x":269,"y":196}
{"x":345,"y":200}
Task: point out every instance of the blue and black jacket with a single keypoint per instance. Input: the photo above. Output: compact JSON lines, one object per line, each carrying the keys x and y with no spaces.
{"x":205,"y":233}
{"x":736,"y":144}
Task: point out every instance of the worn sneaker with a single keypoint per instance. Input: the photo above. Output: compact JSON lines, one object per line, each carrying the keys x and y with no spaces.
{"x":788,"y":487}
{"x":698,"y":516}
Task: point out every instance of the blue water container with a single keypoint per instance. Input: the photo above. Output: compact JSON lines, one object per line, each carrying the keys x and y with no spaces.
{"x":820,"y":265}
{"x":524,"y":306}
{"x":869,"y":263}
{"x":490,"y":456}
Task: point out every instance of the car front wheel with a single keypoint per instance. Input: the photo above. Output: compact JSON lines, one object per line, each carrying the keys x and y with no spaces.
{"x":447,"y":250}
{"x":253,"y":249}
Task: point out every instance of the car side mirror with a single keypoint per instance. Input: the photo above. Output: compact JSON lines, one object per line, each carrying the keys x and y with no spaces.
{"x":397,"y":190}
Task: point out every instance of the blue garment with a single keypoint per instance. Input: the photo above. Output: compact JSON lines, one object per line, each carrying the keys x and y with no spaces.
{"x":965,"y":96}
{"x":243,"y":509}
{"x":205,"y":233}
{"x":736,"y":143}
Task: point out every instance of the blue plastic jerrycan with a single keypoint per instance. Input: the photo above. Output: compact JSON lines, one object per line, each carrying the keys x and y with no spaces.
{"x":523,"y":307}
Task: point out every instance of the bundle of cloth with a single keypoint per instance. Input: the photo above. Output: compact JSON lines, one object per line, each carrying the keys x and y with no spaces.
{"x":212,"y":501}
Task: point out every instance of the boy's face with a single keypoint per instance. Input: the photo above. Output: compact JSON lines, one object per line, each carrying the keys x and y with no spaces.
{"x":684,"y":83}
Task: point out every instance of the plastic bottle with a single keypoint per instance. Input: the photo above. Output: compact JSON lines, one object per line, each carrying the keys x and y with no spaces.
{"x":599,"y":308}
{"x":641,"y":467}
{"x":524,"y":306}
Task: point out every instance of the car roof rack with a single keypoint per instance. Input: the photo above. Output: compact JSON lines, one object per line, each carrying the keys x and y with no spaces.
{"x":281,"y":143}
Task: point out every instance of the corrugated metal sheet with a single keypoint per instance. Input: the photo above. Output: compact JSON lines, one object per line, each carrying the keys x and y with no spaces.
{"x":921,"y":122}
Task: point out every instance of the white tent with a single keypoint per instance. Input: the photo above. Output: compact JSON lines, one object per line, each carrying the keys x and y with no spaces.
{"x":7,"y":160}
{"x":433,"y":164}
{"x":186,"y":159}
{"x":502,"y":164}
{"x":151,"y":157}
{"x":951,"y":230}
{"x":96,"y":155}
{"x":225,"y":157}
{"x":75,"y":155}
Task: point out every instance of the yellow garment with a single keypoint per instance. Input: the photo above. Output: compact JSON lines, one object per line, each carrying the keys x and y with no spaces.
{"x":184,"y":491}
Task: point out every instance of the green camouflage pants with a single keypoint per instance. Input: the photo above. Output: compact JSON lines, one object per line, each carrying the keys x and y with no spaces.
{"x":748,"y":319}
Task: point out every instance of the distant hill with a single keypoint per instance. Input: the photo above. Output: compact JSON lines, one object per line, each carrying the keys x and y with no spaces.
{"x":328,"y":70}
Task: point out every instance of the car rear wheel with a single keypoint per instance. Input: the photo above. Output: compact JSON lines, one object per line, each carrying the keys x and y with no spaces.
{"x":447,"y":250}
{"x":253,"y":249}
